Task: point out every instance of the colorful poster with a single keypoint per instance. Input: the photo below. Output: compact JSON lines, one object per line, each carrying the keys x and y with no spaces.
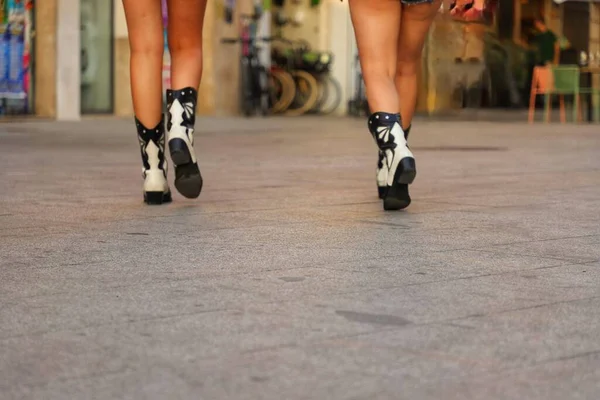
{"x":16,"y":70}
{"x":15,"y":56}
{"x":28,"y":47}
{"x":4,"y":59}
{"x":166,"y":73}
{"x":15,"y":10}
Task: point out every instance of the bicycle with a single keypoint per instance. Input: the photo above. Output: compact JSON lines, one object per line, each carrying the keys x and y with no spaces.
{"x":330,"y":91}
{"x":307,"y":88}
{"x":267,"y":91}
{"x":253,"y":95}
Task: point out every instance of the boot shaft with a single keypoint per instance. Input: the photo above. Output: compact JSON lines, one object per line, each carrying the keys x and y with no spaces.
{"x":386,"y":129}
{"x":181,"y":107}
{"x":152,"y":144}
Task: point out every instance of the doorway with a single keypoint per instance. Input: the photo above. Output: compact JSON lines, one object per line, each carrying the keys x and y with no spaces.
{"x":576,"y":25}
{"x":96,"y":57}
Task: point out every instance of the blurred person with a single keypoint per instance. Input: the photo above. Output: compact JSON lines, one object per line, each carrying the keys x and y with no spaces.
{"x":146,"y":40}
{"x":546,"y":43}
{"x":390,"y":35}
{"x":469,"y":10}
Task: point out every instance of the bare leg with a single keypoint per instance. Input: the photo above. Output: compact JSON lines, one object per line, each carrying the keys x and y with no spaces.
{"x":416,"y":21}
{"x":377,"y":25}
{"x":186,"y":19}
{"x":144,"y":23}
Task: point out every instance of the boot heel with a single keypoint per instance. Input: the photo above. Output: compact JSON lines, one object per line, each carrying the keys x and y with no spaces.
{"x":154,"y":198}
{"x":407,"y":171}
{"x":180,"y":154}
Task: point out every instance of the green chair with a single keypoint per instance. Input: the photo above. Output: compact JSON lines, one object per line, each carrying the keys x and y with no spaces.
{"x":567,"y":82}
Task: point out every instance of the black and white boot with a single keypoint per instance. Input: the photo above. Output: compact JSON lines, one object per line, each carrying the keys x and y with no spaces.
{"x":181,"y":118}
{"x":382,"y":173}
{"x":152,"y":148}
{"x":398,"y":161}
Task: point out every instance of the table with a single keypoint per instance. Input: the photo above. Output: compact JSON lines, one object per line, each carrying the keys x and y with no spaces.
{"x":589,"y":72}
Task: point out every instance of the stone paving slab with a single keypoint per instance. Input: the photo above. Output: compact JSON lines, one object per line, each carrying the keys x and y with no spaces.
{"x":286,"y":279}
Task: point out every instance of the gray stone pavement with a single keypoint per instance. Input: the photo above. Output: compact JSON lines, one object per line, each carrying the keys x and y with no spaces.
{"x":286,"y":280}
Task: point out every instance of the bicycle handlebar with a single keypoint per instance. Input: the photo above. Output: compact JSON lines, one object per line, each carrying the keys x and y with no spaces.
{"x":253,"y":17}
{"x":294,"y":43}
{"x":246,"y":40}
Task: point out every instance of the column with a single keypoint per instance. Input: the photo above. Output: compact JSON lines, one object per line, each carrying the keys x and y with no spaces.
{"x":122,"y":85}
{"x":45,"y":49}
{"x":68,"y":64}
{"x":517,"y":29}
{"x":207,"y":102}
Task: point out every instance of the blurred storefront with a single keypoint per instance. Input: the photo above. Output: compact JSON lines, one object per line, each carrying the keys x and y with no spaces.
{"x":476,"y":61}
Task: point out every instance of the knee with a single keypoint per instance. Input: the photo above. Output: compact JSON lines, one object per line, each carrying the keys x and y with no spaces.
{"x":185,"y":44}
{"x":407,"y":66}
{"x":148,"y":47}
{"x":377,"y":71}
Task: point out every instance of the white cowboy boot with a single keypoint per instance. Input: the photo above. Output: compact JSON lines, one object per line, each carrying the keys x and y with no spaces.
{"x":181,"y":118}
{"x":152,"y":148}
{"x":398,"y":163}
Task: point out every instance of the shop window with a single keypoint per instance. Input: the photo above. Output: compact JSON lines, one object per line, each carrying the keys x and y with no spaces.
{"x":96,"y":56}
{"x":505,"y":19}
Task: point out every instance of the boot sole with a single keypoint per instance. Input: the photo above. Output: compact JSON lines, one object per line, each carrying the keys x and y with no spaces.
{"x":180,"y":154}
{"x":406,"y":172}
{"x":157,"y":198}
{"x":188,"y":180}
{"x":396,"y":198}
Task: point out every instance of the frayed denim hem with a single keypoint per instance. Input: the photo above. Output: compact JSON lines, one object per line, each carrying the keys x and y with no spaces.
{"x":412,"y":2}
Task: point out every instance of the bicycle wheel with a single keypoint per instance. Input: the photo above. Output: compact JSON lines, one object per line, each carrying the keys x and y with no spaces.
{"x":290,"y":90}
{"x":307,"y":93}
{"x":282,"y":90}
{"x":333,"y":97}
{"x":322,"y":97}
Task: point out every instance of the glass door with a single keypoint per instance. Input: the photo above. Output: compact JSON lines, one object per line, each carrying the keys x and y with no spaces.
{"x":97,"y":57}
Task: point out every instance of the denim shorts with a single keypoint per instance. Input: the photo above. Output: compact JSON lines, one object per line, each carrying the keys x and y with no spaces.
{"x":411,"y":2}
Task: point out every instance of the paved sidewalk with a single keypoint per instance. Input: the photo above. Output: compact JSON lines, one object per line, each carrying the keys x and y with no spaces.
{"x":286,"y":280}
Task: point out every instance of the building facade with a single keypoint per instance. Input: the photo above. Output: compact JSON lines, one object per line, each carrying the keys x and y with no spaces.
{"x":66,"y":84}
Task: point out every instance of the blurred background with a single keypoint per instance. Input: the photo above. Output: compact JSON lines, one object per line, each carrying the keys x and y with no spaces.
{"x":482,"y":57}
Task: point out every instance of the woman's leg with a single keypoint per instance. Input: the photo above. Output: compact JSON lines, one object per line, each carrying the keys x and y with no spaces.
{"x":377,"y":25}
{"x":416,"y":21}
{"x":144,"y":24}
{"x":186,"y":19}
